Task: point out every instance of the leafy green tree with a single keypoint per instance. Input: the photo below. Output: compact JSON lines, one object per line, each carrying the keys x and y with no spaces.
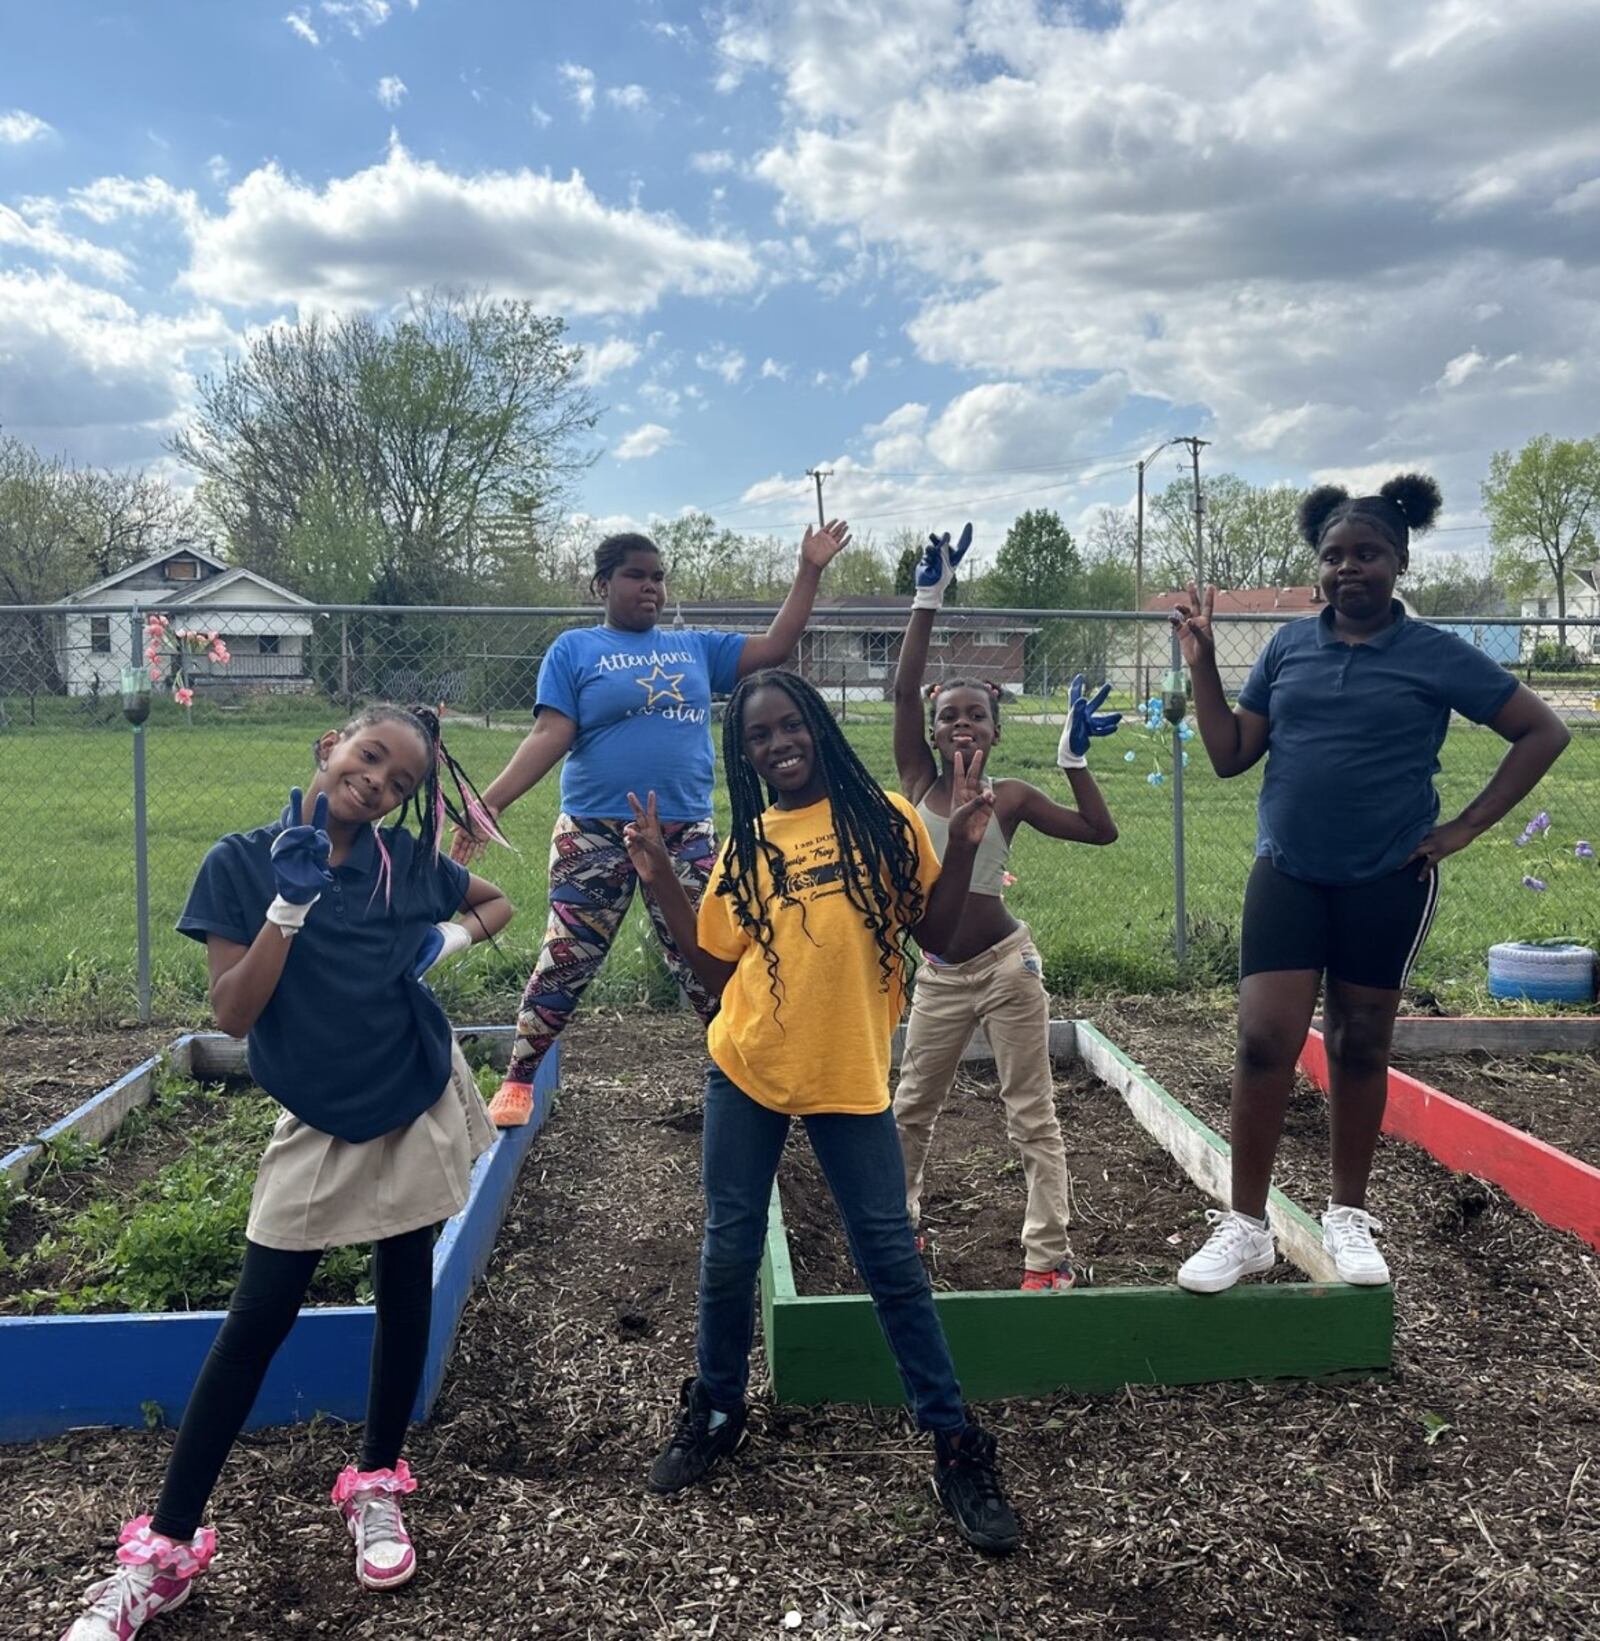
{"x":1038,"y":566}
{"x":1542,"y":505}
{"x":1251,"y":536}
{"x":1453,"y":586}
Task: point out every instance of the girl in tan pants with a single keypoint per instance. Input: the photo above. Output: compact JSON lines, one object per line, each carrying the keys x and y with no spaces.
{"x":989,"y":972}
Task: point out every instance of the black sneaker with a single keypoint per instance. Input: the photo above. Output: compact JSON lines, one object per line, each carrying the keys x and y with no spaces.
{"x":968,"y":1486}
{"x":695,"y":1447}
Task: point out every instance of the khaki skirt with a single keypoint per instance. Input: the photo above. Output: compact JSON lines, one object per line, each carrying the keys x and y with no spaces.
{"x":315,"y":1191}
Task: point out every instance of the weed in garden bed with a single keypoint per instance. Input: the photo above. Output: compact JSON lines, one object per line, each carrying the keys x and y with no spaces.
{"x":128,"y":1226}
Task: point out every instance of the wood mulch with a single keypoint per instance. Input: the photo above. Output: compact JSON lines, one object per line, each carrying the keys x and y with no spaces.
{"x":1458,"y":1498}
{"x":1555,"y":1097}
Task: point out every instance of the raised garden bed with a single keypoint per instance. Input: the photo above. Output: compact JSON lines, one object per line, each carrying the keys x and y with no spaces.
{"x":1563,"y":1189}
{"x":828,"y":1347}
{"x":126,"y":1368}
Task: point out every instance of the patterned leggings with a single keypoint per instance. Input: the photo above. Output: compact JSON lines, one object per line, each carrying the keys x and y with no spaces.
{"x":591,"y":887}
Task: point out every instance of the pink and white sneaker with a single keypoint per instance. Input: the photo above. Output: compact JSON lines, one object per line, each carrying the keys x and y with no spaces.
{"x":155,"y":1575}
{"x":370,"y":1503}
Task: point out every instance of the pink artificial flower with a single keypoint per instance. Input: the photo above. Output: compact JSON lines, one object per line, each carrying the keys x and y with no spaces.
{"x":155,"y":675}
{"x":1007,"y":879}
{"x":183,"y":696}
{"x":219,"y":653}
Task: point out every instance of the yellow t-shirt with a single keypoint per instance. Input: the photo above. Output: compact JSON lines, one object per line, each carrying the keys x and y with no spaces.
{"x":826,"y":1048}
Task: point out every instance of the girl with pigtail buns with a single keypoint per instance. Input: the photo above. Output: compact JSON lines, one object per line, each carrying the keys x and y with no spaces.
{"x":1350,"y":709}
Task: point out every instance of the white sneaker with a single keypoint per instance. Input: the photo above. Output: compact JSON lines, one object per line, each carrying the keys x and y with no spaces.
{"x":1347,"y":1235}
{"x":1238,"y":1246}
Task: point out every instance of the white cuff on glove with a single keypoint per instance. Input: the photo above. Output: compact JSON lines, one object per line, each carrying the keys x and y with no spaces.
{"x":290,"y":916}
{"x":457,"y":938}
{"x":1066,"y":758}
{"x":930,"y":598}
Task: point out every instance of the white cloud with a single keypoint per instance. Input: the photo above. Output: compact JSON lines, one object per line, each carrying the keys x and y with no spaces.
{"x":1187,"y":196}
{"x":1461,"y":367}
{"x":860,"y":366}
{"x":771,"y":370}
{"x":722,"y":360}
{"x":676,"y":32}
{"x":634,"y":98}
{"x":406,"y":224}
{"x":391,"y":90}
{"x":540,"y":118}
{"x":607,"y":358}
{"x":17,"y":126}
{"x":580,"y":86}
{"x":300,"y":22}
{"x":643,"y":441}
{"x":40,"y":234}
{"x":358,"y":16}
{"x":218,"y":170}
{"x":712,"y":163}
{"x":113,"y":199}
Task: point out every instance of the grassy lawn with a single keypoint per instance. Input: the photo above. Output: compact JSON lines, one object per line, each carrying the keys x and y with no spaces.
{"x":67,"y":931}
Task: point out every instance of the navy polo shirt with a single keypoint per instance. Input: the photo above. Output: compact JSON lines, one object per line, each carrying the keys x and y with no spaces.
{"x":1353,"y":739}
{"x":349,"y":1041}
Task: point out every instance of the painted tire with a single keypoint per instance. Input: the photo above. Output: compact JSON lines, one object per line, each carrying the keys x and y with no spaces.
{"x":1541,"y":974}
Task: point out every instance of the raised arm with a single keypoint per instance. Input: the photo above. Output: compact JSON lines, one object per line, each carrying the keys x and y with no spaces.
{"x":773,"y":647}
{"x":543,"y":747}
{"x":648,"y":851}
{"x":1537,"y":739}
{"x":914,"y":759}
{"x":1235,"y":740}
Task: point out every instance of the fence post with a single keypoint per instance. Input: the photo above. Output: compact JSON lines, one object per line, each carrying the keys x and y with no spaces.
{"x":1175,"y":704}
{"x":344,"y":658}
{"x":141,"y":840}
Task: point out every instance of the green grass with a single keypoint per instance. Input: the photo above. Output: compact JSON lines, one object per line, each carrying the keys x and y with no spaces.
{"x":1102,"y":917}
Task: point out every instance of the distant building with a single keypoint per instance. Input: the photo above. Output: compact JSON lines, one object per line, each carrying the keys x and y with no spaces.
{"x":198,"y":590}
{"x":1583,"y":604}
{"x":1240,"y":643}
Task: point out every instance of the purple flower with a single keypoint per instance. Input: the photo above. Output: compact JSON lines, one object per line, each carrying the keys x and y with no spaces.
{"x":1536,"y":884}
{"x":1583,"y":851}
{"x":1524,"y":840}
{"x":1540,"y":822}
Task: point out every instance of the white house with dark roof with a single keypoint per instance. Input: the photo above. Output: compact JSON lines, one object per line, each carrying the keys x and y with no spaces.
{"x":196,"y":589}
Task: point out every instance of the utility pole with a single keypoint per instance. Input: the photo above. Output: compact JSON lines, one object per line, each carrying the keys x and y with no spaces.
{"x":1138,"y":574}
{"x":1194,"y":445}
{"x":819,"y":474}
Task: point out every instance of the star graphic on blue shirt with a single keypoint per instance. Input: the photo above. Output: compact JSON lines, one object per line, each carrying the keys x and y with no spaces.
{"x":668,"y":690}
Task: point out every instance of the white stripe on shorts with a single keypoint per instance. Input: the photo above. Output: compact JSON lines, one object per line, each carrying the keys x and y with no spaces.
{"x":1431,"y":906}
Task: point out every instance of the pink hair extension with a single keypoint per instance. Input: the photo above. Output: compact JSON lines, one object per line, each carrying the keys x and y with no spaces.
{"x":482,"y":821}
{"x":385,"y":869}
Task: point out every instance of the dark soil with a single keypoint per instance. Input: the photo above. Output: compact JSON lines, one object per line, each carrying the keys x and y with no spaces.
{"x":1555,"y":1097}
{"x":1129,"y":1198}
{"x":47,"y":1071}
{"x":1292,"y":1511}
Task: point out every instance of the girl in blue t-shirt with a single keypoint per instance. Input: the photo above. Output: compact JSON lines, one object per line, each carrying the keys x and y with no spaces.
{"x":1350,"y":711}
{"x":318,"y":930}
{"x":628,"y":705}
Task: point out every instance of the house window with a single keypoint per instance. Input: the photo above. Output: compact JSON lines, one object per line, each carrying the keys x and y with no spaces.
{"x":268,"y":643}
{"x":877,"y":647}
{"x":182,"y":569}
{"x":100,"y":634}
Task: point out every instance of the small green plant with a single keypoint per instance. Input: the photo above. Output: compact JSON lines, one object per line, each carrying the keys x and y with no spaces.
{"x":69,"y":1153}
{"x":1433,"y":1427}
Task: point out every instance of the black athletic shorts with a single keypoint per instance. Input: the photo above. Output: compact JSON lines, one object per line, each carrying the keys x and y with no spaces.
{"x":1368,"y":934}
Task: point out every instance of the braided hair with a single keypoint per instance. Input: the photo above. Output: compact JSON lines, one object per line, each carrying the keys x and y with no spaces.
{"x":877,"y":847}
{"x":431,"y":803}
{"x":986,"y":685}
{"x":612,"y":554}
{"x":1405,"y":506}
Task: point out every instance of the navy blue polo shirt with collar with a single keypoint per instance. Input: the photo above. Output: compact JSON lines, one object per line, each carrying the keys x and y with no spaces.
{"x":349,"y":1041}
{"x":1353,"y":739}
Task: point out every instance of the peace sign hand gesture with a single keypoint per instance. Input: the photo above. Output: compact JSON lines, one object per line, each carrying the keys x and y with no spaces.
{"x":971,"y":800}
{"x":821,"y":547}
{"x":647,"y":849}
{"x":937,"y":569}
{"x":299,"y":863}
{"x":1197,"y":642}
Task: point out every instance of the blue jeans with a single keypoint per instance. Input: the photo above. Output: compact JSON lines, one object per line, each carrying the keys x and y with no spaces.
{"x":861,"y":1161}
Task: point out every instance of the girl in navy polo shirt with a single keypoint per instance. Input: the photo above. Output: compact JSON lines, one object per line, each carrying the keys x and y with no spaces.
{"x":628,"y":705}
{"x":318,"y":930}
{"x":1350,"y":710}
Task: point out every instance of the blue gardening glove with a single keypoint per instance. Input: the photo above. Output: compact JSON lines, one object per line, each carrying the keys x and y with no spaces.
{"x":937,"y":569}
{"x":1084,"y":722}
{"x":441,"y":941}
{"x":299,"y":863}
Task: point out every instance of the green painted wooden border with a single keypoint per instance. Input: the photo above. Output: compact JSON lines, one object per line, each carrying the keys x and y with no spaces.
{"x":831,"y":1349}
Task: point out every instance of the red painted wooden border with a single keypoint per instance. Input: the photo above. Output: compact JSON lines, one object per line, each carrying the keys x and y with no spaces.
{"x":1562,"y":1190}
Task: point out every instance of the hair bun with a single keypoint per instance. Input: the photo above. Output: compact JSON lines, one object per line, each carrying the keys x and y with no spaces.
{"x":1315,"y":508}
{"x":1417,"y":496}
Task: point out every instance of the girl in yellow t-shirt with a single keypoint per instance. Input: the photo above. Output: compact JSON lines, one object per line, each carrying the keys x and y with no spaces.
{"x":823,"y":878}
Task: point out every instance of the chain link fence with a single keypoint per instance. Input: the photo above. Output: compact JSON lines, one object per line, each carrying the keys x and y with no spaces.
{"x":240,"y":692}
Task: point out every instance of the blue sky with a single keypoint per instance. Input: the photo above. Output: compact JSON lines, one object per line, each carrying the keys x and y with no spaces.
{"x":975,"y":255}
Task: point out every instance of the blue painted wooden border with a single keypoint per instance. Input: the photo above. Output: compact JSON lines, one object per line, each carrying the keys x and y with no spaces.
{"x":58,"y":1373}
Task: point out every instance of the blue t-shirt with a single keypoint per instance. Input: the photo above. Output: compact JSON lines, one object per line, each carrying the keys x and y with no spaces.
{"x":642,"y":704}
{"x":1353,"y":739}
{"x":348,"y":1041}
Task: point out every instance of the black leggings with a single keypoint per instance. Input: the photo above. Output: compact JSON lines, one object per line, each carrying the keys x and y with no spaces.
{"x":262,"y":1311}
